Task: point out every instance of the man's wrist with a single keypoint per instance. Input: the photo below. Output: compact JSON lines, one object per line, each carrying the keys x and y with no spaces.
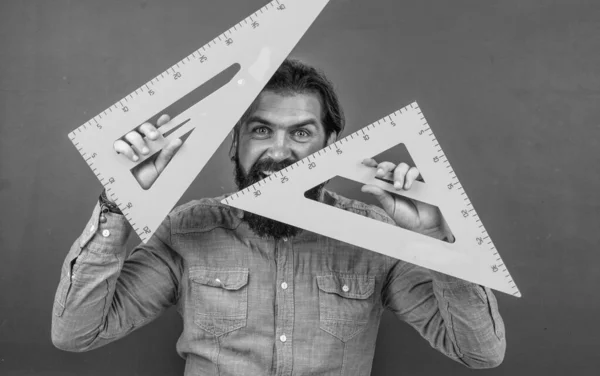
{"x":108,"y":205}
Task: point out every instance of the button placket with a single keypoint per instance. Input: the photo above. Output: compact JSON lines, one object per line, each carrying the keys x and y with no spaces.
{"x":285,"y":301}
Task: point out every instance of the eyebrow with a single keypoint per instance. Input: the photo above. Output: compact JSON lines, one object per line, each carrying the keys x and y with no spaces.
{"x":258,"y":119}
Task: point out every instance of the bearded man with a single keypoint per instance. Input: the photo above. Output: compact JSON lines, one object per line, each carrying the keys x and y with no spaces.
{"x":259,"y":297}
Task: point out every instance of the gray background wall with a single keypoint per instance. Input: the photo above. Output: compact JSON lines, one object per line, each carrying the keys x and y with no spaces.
{"x":511,"y":89}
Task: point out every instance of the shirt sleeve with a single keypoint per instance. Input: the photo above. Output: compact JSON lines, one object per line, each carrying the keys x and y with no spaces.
{"x":103,"y":293}
{"x":458,"y":318}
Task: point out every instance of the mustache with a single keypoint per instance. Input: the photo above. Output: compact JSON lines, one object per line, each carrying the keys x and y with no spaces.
{"x":268,"y":164}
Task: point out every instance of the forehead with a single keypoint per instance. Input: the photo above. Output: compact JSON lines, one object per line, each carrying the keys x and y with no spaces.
{"x":287,"y":109}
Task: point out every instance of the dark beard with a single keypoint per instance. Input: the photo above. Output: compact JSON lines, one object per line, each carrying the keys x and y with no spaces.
{"x":262,"y":226}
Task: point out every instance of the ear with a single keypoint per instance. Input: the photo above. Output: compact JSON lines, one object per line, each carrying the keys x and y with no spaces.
{"x":233,"y":147}
{"x":332,"y":138}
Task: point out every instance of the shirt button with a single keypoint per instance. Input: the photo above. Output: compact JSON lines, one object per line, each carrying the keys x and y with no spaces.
{"x":106,"y":233}
{"x":346,"y":288}
{"x":283,"y":338}
{"x":284,"y":285}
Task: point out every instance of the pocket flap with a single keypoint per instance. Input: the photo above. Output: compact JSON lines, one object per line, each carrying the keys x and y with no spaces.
{"x":347,"y":286}
{"x":229,"y":279}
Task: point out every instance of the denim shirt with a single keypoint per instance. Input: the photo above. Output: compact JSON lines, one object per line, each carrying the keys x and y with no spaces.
{"x":251,"y":306}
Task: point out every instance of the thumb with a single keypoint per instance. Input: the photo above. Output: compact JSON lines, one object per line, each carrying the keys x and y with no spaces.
{"x":165,"y":155}
{"x":385,"y":199}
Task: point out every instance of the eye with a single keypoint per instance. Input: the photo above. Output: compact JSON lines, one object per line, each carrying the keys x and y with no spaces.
{"x":261,"y":130}
{"x":302,"y":133}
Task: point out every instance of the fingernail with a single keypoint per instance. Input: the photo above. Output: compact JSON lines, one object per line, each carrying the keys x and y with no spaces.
{"x":145,"y":150}
{"x":397,"y":185}
{"x":380,"y":171}
{"x":135,"y":158}
{"x":153,"y":134}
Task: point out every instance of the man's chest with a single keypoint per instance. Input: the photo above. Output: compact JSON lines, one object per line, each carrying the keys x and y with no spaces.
{"x":308,"y":301}
{"x":231,"y":279}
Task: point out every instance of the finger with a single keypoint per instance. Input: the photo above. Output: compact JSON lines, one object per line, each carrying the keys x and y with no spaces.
{"x":384,"y":168}
{"x":411,"y":176}
{"x":162,"y":120}
{"x":167,"y":154}
{"x":138,"y":142}
{"x":385,"y":199}
{"x":369,"y":162}
{"x":124,"y":148}
{"x":399,"y":175}
{"x":149,"y":131}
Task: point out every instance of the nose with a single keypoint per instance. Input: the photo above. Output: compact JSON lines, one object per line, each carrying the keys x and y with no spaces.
{"x":279,"y":149}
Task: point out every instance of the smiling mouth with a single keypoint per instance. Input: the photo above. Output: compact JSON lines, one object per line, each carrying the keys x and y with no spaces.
{"x":265,"y":174}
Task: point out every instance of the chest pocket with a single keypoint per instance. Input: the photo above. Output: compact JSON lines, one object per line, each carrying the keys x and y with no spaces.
{"x":220,"y":298}
{"x":345,"y":304}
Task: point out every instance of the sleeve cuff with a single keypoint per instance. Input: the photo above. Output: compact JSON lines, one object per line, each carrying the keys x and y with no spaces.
{"x":104,"y":237}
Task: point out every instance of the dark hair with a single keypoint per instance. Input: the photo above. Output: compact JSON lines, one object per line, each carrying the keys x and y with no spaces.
{"x":296,"y":77}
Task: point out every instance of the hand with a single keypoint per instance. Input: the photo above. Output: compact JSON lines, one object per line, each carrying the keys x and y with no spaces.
{"x":409,"y":214}
{"x":148,"y":171}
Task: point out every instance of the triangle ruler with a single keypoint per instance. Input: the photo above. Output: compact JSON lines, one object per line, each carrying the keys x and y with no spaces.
{"x":472,"y":257}
{"x":253,"y":49}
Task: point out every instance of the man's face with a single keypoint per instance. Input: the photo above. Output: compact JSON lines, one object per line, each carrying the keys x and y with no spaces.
{"x":280,"y":131}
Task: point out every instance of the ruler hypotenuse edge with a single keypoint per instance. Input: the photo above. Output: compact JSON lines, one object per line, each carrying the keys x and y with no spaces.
{"x":472,"y":257}
{"x":256,"y":46}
